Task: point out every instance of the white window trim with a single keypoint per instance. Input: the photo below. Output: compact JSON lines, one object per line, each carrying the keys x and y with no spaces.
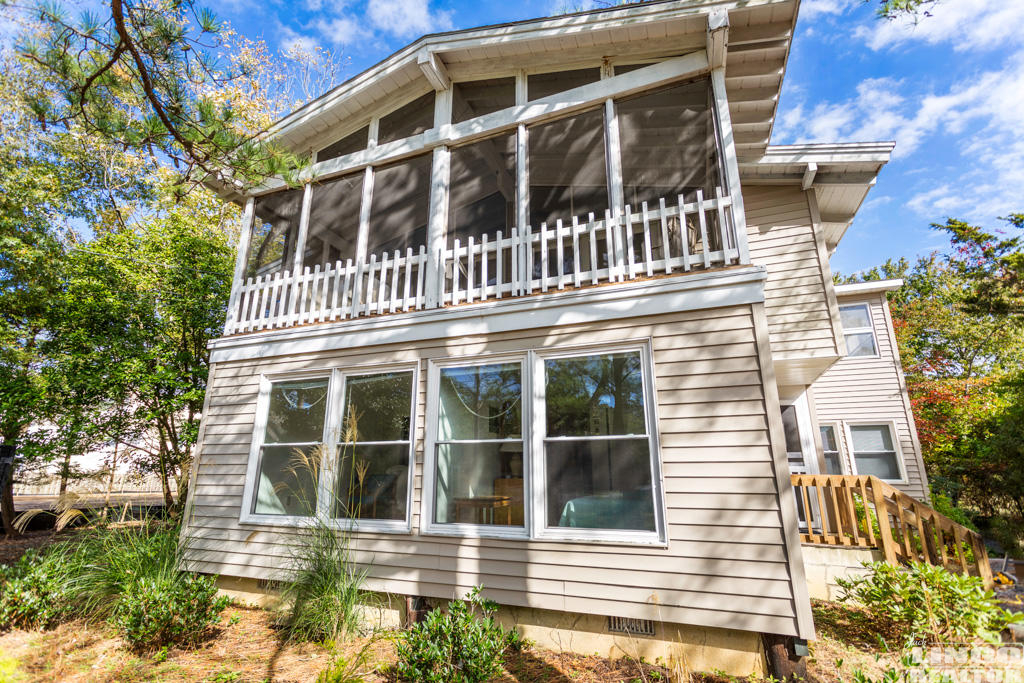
{"x":534,"y":528}
{"x":837,"y":431}
{"x":891,"y":424}
{"x":866,"y":305}
{"x":332,"y":426}
{"x":803,"y":425}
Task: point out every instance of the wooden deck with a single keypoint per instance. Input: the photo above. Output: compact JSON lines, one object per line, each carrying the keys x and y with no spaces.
{"x":847,"y":511}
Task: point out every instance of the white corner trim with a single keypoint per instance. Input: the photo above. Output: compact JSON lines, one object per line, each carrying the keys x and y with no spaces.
{"x":868,"y":287}
{"x":713,"y":289}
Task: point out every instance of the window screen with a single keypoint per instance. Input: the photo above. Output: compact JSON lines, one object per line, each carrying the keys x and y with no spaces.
{"x":352,"y":142}
{"x":483,"y":188}
{"x":567,"y":169}
{"x":542,"y":85}
{"x":476,"y":98}
{"x":412,"y":119}
{"x":334,"y":220}
{"x":668,"y":144}
{"x":400,"y":206}
{"x":274,"y":226}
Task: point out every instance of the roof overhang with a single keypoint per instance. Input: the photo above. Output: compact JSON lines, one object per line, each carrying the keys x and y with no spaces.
{"x":862,"y":288}
{"x":840,"y":174}
{"x":755,"y":49}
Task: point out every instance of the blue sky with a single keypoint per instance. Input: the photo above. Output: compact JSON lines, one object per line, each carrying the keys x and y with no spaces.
{"x":949,"y":90}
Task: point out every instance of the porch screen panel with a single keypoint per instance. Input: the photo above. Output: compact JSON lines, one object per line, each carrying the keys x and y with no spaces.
{"x":567,"y":169}
{"x":597,"y":453}
{"x":479,"y":477}
{"x":353,"y":142}
{"x":400,"y":206}
{"x":373,"y":462}
{"x":274,"y":227}
{"x":290,"y":456}
{"x":668,"y":144}
{"x":476,"y":98}
{"x":408,"y":120}
{"x":334,"y":220}
{"x":543,"y":85}
{"x":483,"y":189}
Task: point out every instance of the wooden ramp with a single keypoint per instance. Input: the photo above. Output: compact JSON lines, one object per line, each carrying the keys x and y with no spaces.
{"x":862,"y":511}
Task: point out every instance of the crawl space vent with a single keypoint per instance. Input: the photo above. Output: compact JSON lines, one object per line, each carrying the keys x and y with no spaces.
{"x":634,"y":627}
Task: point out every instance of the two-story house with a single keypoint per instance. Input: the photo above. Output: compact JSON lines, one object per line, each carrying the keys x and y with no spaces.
{"x":550,"y":315}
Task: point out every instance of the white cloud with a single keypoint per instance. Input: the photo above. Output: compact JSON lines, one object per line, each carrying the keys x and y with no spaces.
{"x":981,"y":118}
{"x":292,"y":40}
{"x":964,"y":24}
{"x":343,"y":29}
{"x":813,"y":9}
{"x":406,"y":18}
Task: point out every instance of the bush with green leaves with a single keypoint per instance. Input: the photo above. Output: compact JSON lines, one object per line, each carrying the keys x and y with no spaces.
{"x":165,"y":610}
{"x":925,"y":602}
{"x":31,"y":592}
{"x":463,"y":644}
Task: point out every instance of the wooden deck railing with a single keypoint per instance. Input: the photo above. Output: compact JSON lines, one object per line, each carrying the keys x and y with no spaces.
{"x":634,"y":243}
{"x":865,"y":512}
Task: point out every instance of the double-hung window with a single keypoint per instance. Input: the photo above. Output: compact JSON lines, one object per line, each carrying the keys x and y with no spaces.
{"x":547,"y":444}
{"x":830,"y":449}
{"x":292,"y":446}
{"x":858,"y":331}
{"x":875,"y":451}
{"x":337,"y":446}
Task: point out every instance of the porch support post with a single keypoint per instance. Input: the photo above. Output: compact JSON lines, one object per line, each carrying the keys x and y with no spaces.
{"x":732,"y":167}
{"x":240,"y":258}
{"x":300,"y":239}
{"x":439,"y":190}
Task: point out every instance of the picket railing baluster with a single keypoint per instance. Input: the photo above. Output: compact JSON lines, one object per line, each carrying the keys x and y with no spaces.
{"x":684,"y":233}
{"x":593,"y":248}
{"x":497,"y":266}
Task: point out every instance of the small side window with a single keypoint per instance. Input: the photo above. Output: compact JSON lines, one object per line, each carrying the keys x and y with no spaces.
{"x":830,"y":450}
{"x":874,"y":451}
{"x":858,"y":330}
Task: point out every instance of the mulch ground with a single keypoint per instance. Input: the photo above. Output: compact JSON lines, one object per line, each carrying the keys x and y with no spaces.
{"x":13,"y":548}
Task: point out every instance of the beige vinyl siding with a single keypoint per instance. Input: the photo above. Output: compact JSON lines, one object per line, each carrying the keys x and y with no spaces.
{"x":726,"y":561}
{"x":781,"y":235}
{"x":867,"y":389}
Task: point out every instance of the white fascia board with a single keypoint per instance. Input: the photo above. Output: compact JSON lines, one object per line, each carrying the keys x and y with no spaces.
{"x":874,"y":287}
{"x":714,"y":289}
{"x":584,"y":22}
{"x":827,"y":153}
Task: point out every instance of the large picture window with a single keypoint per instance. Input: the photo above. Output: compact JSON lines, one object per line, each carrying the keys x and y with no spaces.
{"x":586,"y":469}
{"x":858,"y":331}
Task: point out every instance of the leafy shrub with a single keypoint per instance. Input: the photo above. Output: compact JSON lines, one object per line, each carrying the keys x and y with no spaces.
{"x":463,"y":644}
{"x":30,"y":592}
{"x":943,"y":504}
{"x":324,"y":588}
{"x":164,"y":610}
{"x":923,"y":601}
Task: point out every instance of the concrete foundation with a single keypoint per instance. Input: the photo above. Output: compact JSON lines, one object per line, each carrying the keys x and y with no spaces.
{"x":824,"y":564}
{"x":681,"y":648}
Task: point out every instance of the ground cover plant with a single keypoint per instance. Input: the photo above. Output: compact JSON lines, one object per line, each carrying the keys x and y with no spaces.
{"x":925,"y":602}
{"x":126,"y":576}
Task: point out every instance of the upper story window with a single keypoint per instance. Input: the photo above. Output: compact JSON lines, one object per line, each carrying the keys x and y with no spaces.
{"x":408,"y":120}
{"x":542,"y":85}
{"x":476,"y":98}
{"x":568,"y":175}
{"x":858,"y":330}
{"x":275,"y":226}
{"x":351,"y":143}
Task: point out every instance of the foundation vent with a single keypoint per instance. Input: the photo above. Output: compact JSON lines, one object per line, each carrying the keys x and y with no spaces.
{"x":633,"y":627}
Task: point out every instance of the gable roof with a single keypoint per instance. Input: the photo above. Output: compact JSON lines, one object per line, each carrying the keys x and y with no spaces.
{"x":759,"y":37}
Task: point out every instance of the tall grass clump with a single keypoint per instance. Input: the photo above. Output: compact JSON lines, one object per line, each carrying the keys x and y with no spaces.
{"x":323,"y":588}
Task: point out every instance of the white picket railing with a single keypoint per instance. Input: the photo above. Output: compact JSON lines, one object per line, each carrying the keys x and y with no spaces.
{"x":632,"y":244}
